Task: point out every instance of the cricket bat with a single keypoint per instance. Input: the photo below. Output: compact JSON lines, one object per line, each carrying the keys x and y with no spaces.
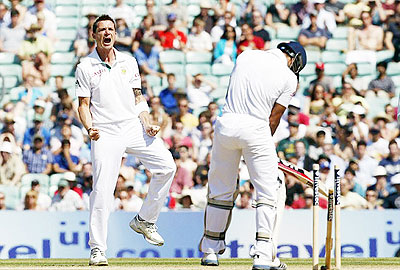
{"x":301,"y":175}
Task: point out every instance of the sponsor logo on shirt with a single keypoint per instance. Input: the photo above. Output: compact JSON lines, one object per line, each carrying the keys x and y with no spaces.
{"x":77,"y":84}
{"x":98,"y":72}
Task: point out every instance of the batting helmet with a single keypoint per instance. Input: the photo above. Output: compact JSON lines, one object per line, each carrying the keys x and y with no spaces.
{"x":296,"y":51}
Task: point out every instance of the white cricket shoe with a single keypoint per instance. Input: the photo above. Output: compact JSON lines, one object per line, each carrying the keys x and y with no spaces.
{"x":210,"y":259}
{"x":149,"y":231}
{"x":98,"y":258}
{"x":262,"y":263}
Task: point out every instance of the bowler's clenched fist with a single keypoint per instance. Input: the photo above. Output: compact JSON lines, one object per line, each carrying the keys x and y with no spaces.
{"x":94,"y":134}
{"x":152,"y":130}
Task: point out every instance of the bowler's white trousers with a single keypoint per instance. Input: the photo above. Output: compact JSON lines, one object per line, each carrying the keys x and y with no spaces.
{"x":236,"y":135}
{"x":115,"y":139}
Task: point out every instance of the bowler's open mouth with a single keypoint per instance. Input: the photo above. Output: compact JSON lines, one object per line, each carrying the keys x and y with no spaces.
{"x":107,"y":41}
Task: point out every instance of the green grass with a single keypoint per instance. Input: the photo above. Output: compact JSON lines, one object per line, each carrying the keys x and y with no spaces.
{"x":17,"y":263}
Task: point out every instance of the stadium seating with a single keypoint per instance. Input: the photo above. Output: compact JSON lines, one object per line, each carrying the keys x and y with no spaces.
{"x":336,"y":45}
{"x":194,"y":69}
{"x":27,"y":179}
{"x":172,"y":57}
{"x":12,"y":196}
{"x":198,"y":57}
{"x":393,"y":69}
{"x":218,"y":69}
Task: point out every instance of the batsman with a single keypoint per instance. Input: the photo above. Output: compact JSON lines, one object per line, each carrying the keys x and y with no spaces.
{"x":261,"y":86}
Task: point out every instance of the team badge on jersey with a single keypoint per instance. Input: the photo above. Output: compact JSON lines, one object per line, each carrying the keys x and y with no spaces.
{"x":123,"y":70}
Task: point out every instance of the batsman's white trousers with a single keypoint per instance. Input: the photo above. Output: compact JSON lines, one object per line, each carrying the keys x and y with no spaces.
{"x":237,"y":135}
{"x":115,"y":139}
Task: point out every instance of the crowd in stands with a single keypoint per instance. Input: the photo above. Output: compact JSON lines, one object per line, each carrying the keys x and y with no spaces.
{"x":341,"y":118}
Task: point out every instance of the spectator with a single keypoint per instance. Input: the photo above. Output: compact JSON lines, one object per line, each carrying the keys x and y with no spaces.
{"x":38,"y":159}
{"x":199,"y":40}
{"x":225,"y":51}
{"x":145,"y":31}
{"x":12,"y":35}
{"x":43,"y":31}
{"x":378,"y":146}
{"x":128,"y":202}
{"x":249,"y":41}
{"x":277,"y":15}
{"x":383,"y":85}
{"x":17,"y":5}
{"x":185,"y":201}
{"x":317,"y":103}
{"x":311,"y":36}
{"x":286,"y":147}
{"x":85,"y":180}
{"x":353,"y":12}
{"x":43,"y":200}
{"x":122,"y":10}
{"x":367,"y":166}
{"x":392,"y":36}
{"x":37,"y":129}
{"x":63,"y":100}
{"x":383,"y":122}
{"x":177,"y":8}
{"x":258,"y":28}
{"x":392,"y":162}
{"x":393,"y":200}
{"x":346,"y":103}
{"x":84,"y":42}
{"x":168,"y":96}
{"x":148,"y":57}
{"x":336,"y":7}
{"x":4,"y":20}
{"x":355,"y":119}
{"x":218,"y":30}
{"x":12,"y":168}
{"x":245,"y":200}
{"x":66,"y":199}
{"x":57,"y":131}
{"x":13,"y":131}
{"x":198,"y":91}
{"x":38,"y":68}
{"x":350,"y":75}
{"x":202,"y":145}
{"x":186,"y":159}
{"x":123,"y":40}
{"x":30,"y":201}
{"x":328,"y":152}
{"x":293,"y":189}
{"x":214,"y":111}
{"x":222,"y":8}
{"x":34,"y":44}
{"x":325,"y":19}
{"x":363,"y":43}
{"x":50,"y":23}
{"x":372,"y":200}
{"x":354,"y":181}
{"x":126,"y":170}
{"x":305,"y":200}
{"x":205,"y":7}
{"x":179,"y":137}
{"x":42,"y":108}
{"x":172,"y":38}
{"x":322,"y":79}
{"x":2,"y":195}
{"x":304,"y":160}
{"x":299,"y":11}
{"x":346,"y":146}
{"x":350,"y":200}
{"x":204,"y":116}
{"x":381,"y":186}
{"x":159,"y":117}
{"x":182,"y":179}
{"x":188,"y":120}
{"x":295,"y":108}
{"x":250,"y":7}
{"x":65,"y":161}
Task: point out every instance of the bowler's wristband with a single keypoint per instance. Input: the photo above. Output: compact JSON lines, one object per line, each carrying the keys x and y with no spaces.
{"x":142,"y":107}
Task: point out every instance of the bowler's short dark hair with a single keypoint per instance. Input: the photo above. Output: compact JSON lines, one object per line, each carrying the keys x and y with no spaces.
{"x":103,"y":17}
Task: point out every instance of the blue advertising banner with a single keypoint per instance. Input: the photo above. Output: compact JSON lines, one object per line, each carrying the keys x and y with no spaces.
{"x":65,"y":235}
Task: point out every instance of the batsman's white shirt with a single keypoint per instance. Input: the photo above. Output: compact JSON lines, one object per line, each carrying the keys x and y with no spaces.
{"x":264,"y":79}
{"x":108,"y":88}
{"x":259,"y":80}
